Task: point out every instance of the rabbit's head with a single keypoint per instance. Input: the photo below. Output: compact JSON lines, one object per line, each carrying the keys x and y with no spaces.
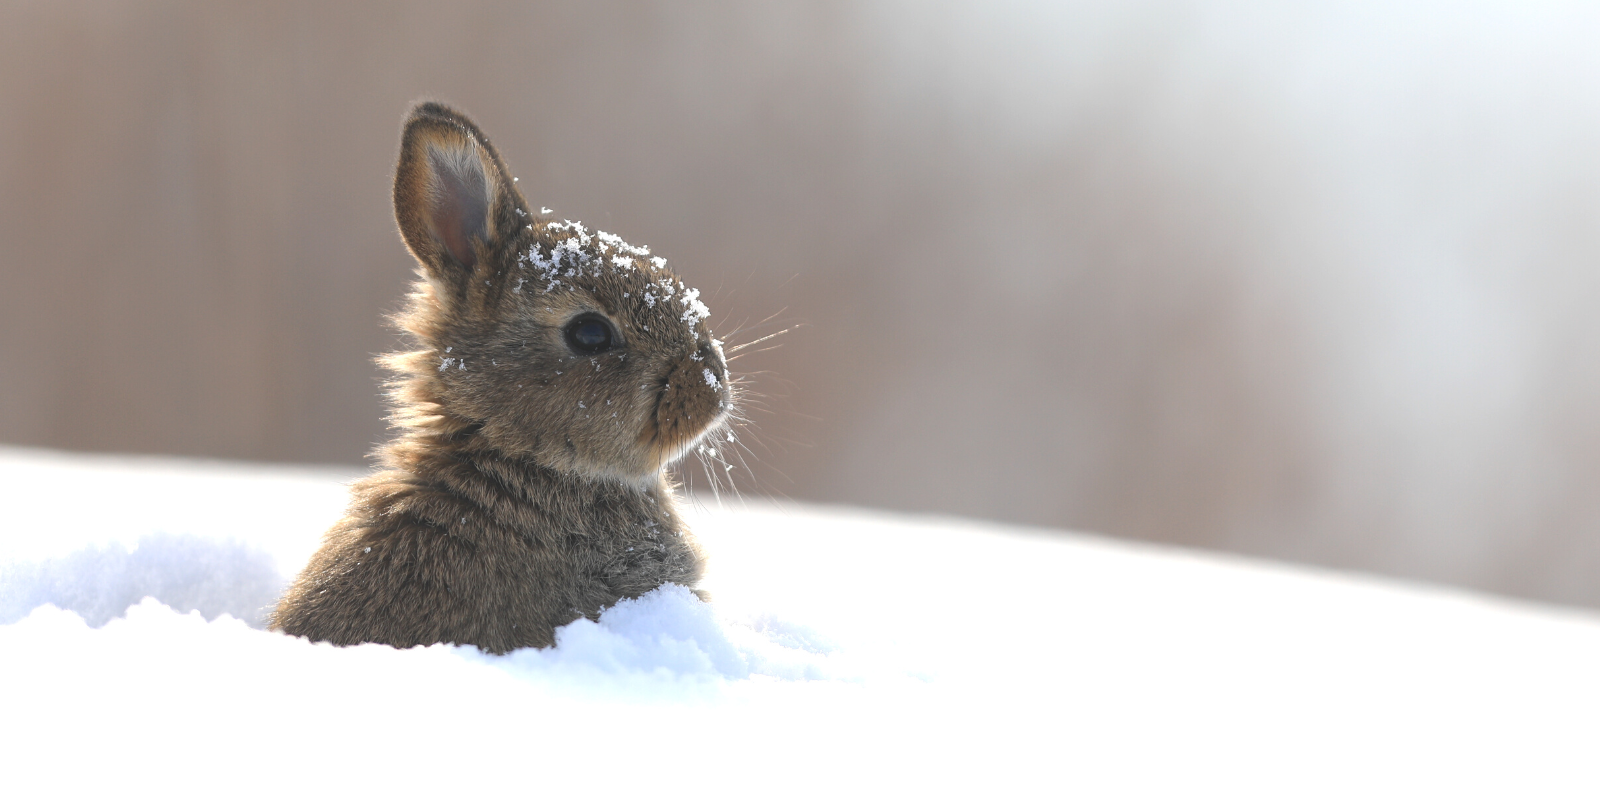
{"x":563,"y":345}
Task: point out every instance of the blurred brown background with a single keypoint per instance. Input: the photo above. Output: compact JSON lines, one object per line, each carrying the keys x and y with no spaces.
{"x":1314,"y":283}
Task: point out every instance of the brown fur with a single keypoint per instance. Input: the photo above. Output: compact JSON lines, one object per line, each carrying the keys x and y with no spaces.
{"x":525,"y":487}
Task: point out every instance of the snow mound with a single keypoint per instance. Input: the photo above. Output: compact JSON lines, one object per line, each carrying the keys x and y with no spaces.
{"x":185,"y":572}
{"x":667,"y":639}
{"x":668,"y":634}
{"x":664,"y":645}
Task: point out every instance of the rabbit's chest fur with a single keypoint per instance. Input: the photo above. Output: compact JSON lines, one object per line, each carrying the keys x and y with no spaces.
{"x":482,"y":549}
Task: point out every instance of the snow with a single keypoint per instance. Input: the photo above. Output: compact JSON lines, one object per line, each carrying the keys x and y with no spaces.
{"x":845,"y":653}
{"x":694,"y":310}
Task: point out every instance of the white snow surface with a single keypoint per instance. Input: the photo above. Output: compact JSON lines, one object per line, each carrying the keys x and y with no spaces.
{"x":846,"y":653}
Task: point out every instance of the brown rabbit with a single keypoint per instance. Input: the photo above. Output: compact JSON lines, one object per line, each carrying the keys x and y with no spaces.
{"x":558,"y":371}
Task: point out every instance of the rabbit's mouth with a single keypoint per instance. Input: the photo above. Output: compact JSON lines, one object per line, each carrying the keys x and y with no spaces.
{"x":667,"y":444}
{"x":672,"y":434}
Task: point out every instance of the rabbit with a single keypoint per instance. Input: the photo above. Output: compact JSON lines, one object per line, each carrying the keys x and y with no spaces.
{"x":557,"y":373}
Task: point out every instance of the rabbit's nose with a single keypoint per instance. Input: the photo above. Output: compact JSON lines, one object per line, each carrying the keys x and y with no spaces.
{"x":713,"y":359}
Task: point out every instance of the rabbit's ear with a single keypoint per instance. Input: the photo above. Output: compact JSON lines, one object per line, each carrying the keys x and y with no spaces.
{"x":449,"y":190}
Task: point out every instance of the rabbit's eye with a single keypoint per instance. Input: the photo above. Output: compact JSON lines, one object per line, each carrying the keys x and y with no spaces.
{"x":589,"y":334}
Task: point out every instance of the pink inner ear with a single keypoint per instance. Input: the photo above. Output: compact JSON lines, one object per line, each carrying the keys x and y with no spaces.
{"x":460,"y":209}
